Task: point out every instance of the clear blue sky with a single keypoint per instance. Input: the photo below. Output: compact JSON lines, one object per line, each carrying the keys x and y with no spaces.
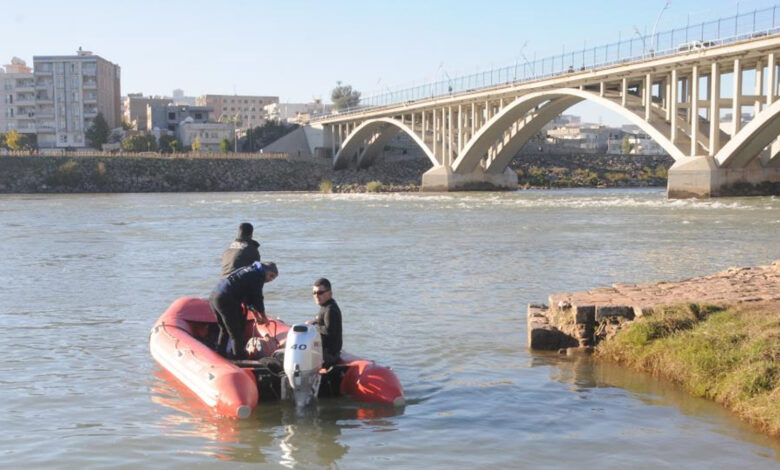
{"x":299,"y":49}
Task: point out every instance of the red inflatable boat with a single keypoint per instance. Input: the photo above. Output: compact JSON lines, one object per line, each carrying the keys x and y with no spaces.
{"x":178,"y":342}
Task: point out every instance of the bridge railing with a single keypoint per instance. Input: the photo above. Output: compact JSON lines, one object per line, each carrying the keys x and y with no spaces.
{"x":726,"y":30}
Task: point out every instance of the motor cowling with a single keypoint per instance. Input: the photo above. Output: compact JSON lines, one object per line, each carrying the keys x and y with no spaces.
{"x":302,"y":363}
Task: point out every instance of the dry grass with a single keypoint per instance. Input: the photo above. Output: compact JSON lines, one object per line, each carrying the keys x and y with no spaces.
{"x":727,"y":355}
{"x":326,"y":186}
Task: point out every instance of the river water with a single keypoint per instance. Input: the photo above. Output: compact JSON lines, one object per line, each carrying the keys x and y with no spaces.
{"x":435,"y":286}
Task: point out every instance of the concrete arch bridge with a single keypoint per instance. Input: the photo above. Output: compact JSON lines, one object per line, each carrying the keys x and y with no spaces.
{"x":685,"y":101}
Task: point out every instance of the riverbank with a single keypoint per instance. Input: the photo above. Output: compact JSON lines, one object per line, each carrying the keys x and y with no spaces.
{"x":717,"y":336}
{"x":85,"y":173}
{"x":160,"y":173}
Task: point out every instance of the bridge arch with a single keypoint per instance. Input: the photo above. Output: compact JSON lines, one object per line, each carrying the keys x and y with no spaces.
{"x":556,"y":99}
{"x":381,"y":130}
{"x":751,"y":139}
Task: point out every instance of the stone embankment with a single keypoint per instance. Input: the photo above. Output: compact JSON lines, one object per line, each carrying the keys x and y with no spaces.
{"x":541,"y":170}
{"x":576,"y":322}
{"x":160,"y":173}
{"x":90,"y":173}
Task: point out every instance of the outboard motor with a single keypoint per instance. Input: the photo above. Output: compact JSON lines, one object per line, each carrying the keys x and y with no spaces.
{"x":302,"y":364}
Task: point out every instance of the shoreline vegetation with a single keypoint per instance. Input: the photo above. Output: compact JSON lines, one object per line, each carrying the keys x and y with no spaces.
{"x":716,"y":336}
{"x":726,"y":354}
{"x":154,"y":172}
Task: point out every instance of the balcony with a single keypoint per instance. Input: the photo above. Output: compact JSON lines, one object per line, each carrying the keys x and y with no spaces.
{"x":25,"y":110}
{"x":89,"y":84}
{"x":25,"y":85}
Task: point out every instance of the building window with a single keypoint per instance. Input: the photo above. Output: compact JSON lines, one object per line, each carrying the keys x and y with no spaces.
{"x":171,"y":116}
{"x":198,"y":115}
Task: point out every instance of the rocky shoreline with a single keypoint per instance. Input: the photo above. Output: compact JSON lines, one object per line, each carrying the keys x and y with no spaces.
{"x":581,"y":320}
{"x":254,"y":172}
{"x":717,"y":336}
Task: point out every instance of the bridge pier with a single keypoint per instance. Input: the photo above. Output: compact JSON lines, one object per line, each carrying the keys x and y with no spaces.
{"x":700,"y":177}
{"x":443,"y":179}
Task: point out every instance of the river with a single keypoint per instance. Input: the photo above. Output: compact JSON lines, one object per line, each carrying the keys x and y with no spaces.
{"x":433,"y":285}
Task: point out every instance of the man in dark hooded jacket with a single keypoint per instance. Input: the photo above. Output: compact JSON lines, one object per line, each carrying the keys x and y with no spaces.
{"x":242,"y":286}
{"x":242,"y":252}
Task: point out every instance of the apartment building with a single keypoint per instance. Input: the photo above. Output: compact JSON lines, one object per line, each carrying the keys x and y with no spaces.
{"x":17,"y":98}
{"x":180,"y":99}
{"x":169,"y":117}
{"x":296,"y":112}
{"x":134,"y":108}
{"x":248,"y":110}
{"x":70,"y":91}
{"x":208,"y":134}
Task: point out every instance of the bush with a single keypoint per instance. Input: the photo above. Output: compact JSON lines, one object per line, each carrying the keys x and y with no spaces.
{"x":374,"y":186}
{"x":66,"y":174}
{"x":326,"y":186}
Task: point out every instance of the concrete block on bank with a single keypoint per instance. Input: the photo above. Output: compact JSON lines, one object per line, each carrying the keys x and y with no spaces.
{"x":642,"y":310}
{"x":605,"y":311}
{"x":543,"y":336}
{"x":584,"y":314}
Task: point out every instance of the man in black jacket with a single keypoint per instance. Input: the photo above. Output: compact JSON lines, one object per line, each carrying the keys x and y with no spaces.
{"x":242,"y":286}
{"x":327,"y":321}
{"x":242,"y":252}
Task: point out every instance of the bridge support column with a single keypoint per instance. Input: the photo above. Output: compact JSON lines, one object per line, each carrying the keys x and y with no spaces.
{"x":443,"y":179}
{"x":700,"y":177}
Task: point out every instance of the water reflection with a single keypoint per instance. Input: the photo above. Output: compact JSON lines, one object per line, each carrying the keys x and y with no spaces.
{"x":587,"y":376}
{"x":277,"y":433}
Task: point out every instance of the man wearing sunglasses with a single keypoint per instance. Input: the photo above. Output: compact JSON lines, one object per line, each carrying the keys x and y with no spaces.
{"x":327,"y":321}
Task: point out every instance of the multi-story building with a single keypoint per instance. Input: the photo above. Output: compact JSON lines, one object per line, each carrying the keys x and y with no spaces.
{"x":134,"y":108}
{"x":180,"y":99}
{"x":246,"y":110}
{"x":296,"y":112}
{"x":208,"y":134}
{"x":70,"y":91}
{"x":17,"y":98}
{"x":169,"y":117}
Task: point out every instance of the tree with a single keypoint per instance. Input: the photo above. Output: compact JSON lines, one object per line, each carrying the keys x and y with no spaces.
{"x":167,"y":144}
{"x":625,"y":147}
{"x":13,"y":140}
{"x":196,"y":144}
{"x":139,"y":143}
{"x":98,"y":132}
{"x":224,"y":145}
{"x":344,"y":97}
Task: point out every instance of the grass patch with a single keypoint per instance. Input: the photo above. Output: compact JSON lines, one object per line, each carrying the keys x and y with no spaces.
{"x":730,"y":356}
{"x":374,"y":186}
{"x":326,"y":186}
{"x":67,"y":174}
